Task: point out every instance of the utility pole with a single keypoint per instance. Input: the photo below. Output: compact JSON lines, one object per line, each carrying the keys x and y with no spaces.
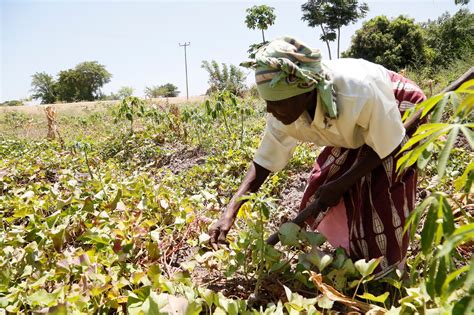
{"x":186,"y":66}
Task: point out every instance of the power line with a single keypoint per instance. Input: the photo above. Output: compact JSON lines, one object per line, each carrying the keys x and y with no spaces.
{"x":186,"y":66}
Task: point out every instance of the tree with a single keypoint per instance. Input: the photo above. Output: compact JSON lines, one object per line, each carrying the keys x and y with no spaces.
{"x":165,"y":90}
{"x":124,"y":92}
{"x":450,"y":37}
{"x":261,"y":17}
{"x":43,"y":87}
{"x":461,"y":2}
{"x":12,"y":103}
{"x":228,"y":78}
{"x":83,"y":83}
{"x":394,"y":44}
{"x":331,"y":15}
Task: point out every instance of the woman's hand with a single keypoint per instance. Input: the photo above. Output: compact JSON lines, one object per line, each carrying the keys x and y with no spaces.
{"x":329,"y":194}
{"x":218,"y":231}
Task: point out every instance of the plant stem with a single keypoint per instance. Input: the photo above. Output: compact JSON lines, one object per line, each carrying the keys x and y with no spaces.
{"x":87,"y":164}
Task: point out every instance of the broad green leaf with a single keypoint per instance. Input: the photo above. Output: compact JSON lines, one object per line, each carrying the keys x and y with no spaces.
{"x":465,"y":106}
{"x":440,"y":275}
{"x":429,"y":104}
{"x":325,"y":303}
{"x":380,"y":298}
{"x":414,"y":218}
{"x":114,"y":202}
{"x":313,"y":238}
{"x":469,"y":134}
{"x":429,"y":229}
{"x":467,"y":87}
{"x":439,"y":109}
{"x":320,"y":261}
{"x":425,"y":157}
{"x":449,"y":278}
{"x":153,"y":303}
{"x":366,"y":268}
{"x":88,"y":205}
{"x":288,"y":234}
{"x":464,"y":306}
{"x":462,"y":181}
{"x":448,"y":146}
{"x":42,"y":298}
{"x":423,"y":132}
{"x":448,"y":217}
{"x":462,"y":234}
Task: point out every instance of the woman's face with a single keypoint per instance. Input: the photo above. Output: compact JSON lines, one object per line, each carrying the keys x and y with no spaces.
{"x":288,"y":110}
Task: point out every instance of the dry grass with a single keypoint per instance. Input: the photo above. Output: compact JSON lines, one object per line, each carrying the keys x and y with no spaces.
{"x":88,"y":107}
{"x":31,"y":121}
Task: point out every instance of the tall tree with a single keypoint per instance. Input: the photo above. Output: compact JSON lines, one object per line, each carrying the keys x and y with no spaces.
{"x":229,"y":78}
{"x":83,"y":83}
{"x":43,"y":87}
{"x":261,"y":17}
{"x":450,"y":37}
{"x":124,"y":92}
{"x":165,"y":90}
{"x":394,"y":44}
{"x":331,"y":15}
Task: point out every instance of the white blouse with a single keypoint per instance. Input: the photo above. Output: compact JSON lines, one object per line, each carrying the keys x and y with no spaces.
{"x":367,"y":109}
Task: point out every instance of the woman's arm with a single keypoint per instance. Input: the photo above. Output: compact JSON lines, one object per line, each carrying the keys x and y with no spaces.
{"x":256,"y":176}
{"x":330,"y":193}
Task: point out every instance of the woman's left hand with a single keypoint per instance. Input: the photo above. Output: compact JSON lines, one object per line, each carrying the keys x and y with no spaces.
{"x":329,"y":194}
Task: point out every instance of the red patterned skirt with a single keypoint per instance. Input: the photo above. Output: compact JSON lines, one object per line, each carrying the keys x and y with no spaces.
{"x":369,"y":220}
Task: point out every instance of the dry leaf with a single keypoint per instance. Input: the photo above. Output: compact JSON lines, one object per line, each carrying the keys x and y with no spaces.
{"x":337,"y":296}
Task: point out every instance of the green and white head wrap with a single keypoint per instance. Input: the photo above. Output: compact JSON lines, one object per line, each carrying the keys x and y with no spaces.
{"x":286,"y":67}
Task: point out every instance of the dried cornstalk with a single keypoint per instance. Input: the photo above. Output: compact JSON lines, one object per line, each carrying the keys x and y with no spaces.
{"x":53,"y":129}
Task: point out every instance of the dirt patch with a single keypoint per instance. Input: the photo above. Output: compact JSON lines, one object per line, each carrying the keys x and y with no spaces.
{"x":182,"y":159}
{"x":290,"y":197}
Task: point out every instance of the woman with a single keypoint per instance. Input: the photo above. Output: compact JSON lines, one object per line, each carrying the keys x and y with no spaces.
{"x":353,"y":108}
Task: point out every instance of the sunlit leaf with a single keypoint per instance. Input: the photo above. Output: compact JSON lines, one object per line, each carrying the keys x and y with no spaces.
{"x":366,"y":268}
{"x":380,"y":298}
{"x":288,"y":234}
{"x":444,"y":155}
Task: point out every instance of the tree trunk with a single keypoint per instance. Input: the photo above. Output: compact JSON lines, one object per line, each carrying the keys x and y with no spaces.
{"x":338,"y":40}
{"x":327,"y":42}
{"x":263,"y":36}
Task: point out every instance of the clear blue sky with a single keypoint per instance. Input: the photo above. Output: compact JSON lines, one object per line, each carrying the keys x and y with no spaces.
{"x":138,"y":41}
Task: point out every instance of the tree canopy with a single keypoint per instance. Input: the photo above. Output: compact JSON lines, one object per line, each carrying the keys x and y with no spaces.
{"x":450,"y":37}
{"x":261,"y":17}
{"x":229,"y":78}
{"x":43,"y":87}
{"x":83,"y":83}
{"x":394,"y":44}
{"x":165,"y":90}
{"x":331,"y":15}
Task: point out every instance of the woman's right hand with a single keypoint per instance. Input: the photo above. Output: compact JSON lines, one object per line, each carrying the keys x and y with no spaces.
{"x":218,"y":231}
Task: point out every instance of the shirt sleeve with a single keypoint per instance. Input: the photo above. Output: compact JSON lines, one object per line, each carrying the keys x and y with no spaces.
{"x":381,"y":121}
{"x":276,"y":148}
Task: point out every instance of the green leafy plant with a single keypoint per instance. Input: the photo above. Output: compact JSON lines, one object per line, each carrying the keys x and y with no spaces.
{"x":130,"y":108}
{"x":442,"y":281}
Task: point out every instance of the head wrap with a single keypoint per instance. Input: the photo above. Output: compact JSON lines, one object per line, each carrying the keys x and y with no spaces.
{"x":286,"y":67}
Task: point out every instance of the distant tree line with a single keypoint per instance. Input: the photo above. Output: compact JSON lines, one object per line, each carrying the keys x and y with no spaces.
{"x":82,"y":83}
{"x":394,"y":43}
{"x":399,"y":43}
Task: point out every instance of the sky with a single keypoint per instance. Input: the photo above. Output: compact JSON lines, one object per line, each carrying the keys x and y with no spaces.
{"x":138,"y":41}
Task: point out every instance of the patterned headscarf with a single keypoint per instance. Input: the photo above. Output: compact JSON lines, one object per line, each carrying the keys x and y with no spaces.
{"x":287,"y":67}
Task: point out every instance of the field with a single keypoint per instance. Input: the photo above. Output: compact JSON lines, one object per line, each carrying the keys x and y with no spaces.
{"x":113,"y":218}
